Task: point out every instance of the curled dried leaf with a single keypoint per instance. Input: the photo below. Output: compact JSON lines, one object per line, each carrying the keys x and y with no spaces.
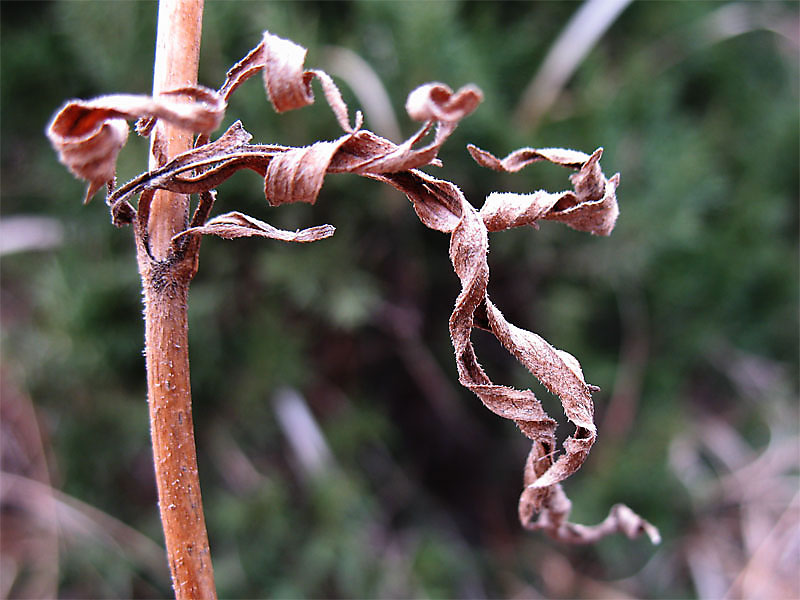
{"x":440,"y":205}
{"x":88,"y":134}
{"x":437,"y":102}
{"x":290,"y":174}
{"x":234,"y":225}
{"x":436,"y":202}
{"x":91,"y":156}
{"x":287,"y":84}
{"x":504,"y":210}
{"x":554,"y":521}
{"x":591,"y":206}
{"x":519,"y":159}
{"x":297,"y":174}
{"x":468,"y":252}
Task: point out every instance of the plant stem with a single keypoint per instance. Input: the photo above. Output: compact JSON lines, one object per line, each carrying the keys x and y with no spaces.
{"x":166,"y":273}
{"x":172,"y":432}
{"x":177,"y":57}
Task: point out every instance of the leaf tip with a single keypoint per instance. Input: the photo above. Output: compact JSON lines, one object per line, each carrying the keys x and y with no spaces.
{"x":436,"y":101}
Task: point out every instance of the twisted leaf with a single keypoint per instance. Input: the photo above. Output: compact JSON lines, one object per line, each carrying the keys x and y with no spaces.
{"x":591,"y":207}
{"x":440,"y":205}
{"x":236,"y":225}
{"x":297,"y":174}
{"x":288,"y":86}
{"x":88,"y":134}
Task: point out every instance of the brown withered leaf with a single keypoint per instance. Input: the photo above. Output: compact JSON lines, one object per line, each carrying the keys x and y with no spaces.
{"x":553,"y":520}
{"x":519,"y":159}
{"x":287,"y":84}
{"x":234,"y":225}
{"x":591,"y":207}
{"x":440,"y":205}
{"x":437,"y":102}
{"x":88,"y":134}
{"x":297,"y":174}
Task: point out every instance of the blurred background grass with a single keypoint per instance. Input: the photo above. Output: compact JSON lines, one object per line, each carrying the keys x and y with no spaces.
{"x":686,"y":316}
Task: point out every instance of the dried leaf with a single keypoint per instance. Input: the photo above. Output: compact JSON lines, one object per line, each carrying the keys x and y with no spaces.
{"x":553,"y":520}
{"x":288,"y":86}
{"x":234,"y":225}
{"x":437,"y":102}
{"x":291,"y":174}
{"x":297,"y":174}
{"x":519,"y":159}
{"x":592,"y":206}
{"x":440,"y":205}
{"x":88,"y":134}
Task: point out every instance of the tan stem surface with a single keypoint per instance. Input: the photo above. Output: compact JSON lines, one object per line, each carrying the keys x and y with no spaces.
{"x":166,"y":275}
{"x":172,"y":432}
{"x":176,"y":61}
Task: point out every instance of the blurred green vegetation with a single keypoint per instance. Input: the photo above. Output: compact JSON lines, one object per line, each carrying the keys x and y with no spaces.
{"x":700,"y":276}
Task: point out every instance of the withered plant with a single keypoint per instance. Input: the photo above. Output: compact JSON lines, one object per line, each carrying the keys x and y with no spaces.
{"x":89,"y":134}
